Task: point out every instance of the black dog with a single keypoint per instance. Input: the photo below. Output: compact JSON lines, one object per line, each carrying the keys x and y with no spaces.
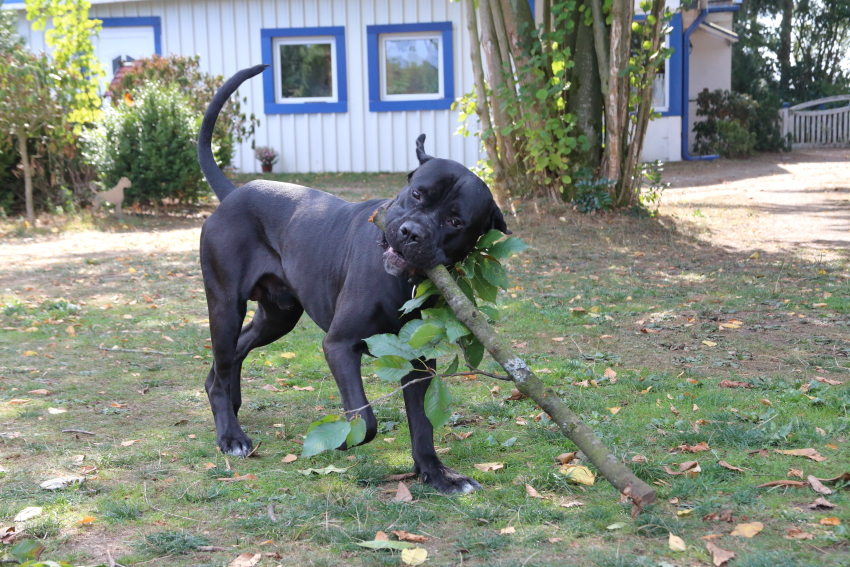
{"x":294,"y":249}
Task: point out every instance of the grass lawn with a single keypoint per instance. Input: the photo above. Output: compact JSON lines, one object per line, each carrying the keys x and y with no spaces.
{"x":676,"y":318}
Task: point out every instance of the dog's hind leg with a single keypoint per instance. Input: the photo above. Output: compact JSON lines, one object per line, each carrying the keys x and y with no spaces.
{"x":426,"y":462}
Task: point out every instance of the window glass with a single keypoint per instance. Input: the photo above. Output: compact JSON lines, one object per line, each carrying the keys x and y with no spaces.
{"x":412,"y":65}
{"x":305,"y":69}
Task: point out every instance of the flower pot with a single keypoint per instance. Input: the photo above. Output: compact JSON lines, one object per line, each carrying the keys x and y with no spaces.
{"x":267,"y":168}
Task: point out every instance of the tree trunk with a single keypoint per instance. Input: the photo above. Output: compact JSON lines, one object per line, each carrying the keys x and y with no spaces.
{"x":585,"y":96}
{"x":613,"y":126}
{"x":784,"y":52}
{"x":599,"y":33}
{"x":25,"y":162}
{"x":482,"y":108}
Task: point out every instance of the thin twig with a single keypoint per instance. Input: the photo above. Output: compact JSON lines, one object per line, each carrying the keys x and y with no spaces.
{"x":140,"y":351}
{"x":397,"y":390}
{"x":78,"y":431}
{"x":477,"y":371}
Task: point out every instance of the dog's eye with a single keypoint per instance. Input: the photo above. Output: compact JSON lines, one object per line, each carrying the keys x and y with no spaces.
{"x":455,"y":223}
{"x":415,"y":194}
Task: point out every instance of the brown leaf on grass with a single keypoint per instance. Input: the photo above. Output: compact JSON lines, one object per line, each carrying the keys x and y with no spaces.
{"x":809,"y":453}
{"x":8,"y":534}
{"x":304,"y":388}
{"x":711,"y":536}
{"x":507,"y":530}
{"x":565,"y":458}
{"x":797,"y":533}
{"x":515,"y":395}
{"x":844,"y":477}
{"x":685,"y":448}
{"x":461,"y":435}
{"x":555,"y":539}
{"x":237,"y":478}
{"x":570,"y":504}
{"x":719,"y":556}
{"x":833,"y":521}
{"x":489,"y":467}
{"x":495,"y":390}
{"x":817,"y":486}
{"x":270,"y":388}
{"x":529,"y":490}
{"x":759,"y":452}
{"x":688,"y":468}
{"x":245,"y":560}
{"x":289,"y":458}
{"x":675,"y":543}
{"x":399,"y":477}
{"x":726,"y":465}
{"x":407,"y":536}
{"x":829,"y":381}
{"x":39,"y":392}
{"x":14,"y":401}
{"x":734,"y":384}
{"x":382,"y":536}
{"x":821,"y":503}
{"x":639,"y":459}
{"x":209,"y":466}
{"x":402,"y":494}
{"x":782,"y":482}
{"x":130,"y":442}
{"x":747,"y":530}
{"x":610,"y":374}
{"x":795,"y":472}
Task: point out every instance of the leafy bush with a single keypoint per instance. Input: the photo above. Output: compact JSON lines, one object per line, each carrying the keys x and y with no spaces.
{"x":232,"y":126}
{"x":152,"y":142}
{"x":591,"y":194}
{"x":727,"y":128}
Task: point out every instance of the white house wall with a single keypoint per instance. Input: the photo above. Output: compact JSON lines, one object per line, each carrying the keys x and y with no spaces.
{"x":226,"y":34}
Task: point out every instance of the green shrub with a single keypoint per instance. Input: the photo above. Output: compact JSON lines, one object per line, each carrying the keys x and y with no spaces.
{"x":591,"y":194}
{"x":232,"y":126}
{"x":727,"y":128}
{"x":152,"y":142}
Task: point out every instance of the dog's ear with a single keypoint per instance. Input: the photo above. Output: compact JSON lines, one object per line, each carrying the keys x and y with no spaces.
{"x":497,"y":220}
{"x":420,"y":150}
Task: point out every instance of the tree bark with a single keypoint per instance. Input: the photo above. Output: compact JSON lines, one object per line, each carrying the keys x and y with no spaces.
{"x":585,"y":96}
{"x":613,"y":126}
{"x":25,"y":162}
{"x":599,"y":44}
{"x":529,"y":384}
{"x":784,"y":52}
{"x":482,"y":108}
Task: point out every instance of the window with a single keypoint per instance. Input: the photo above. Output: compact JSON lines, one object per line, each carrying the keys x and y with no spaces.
{"x":308,"y":70}
{"x":410,"y":67}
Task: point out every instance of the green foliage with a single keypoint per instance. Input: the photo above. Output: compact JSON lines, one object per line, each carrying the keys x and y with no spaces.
{"x":437,"y":332}
{"x":232,"y":126}
{"x":592,"y":194}
{"x":726,"y":128}
{"x":152,"y":142}
{"x":170,"y":543}
{"x":69,"y":38}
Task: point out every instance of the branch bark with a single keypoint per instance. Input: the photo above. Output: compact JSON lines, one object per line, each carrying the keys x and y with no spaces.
{"x":614,"y":471}
{"x":25,"y":162}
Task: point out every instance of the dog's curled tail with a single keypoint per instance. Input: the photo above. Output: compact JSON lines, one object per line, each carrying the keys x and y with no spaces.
{"x":220,"y":184}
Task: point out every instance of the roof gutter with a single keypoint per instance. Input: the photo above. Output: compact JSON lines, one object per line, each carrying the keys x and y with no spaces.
{"x":686,"y":79}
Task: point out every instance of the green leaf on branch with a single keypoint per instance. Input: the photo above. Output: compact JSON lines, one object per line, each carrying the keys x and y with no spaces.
{"x":358,"y":432}
{"x":455,"y":330}
{"x":327,"y":433}
{"x":425,"y":334}
{"x":484,"y":289}
{"x":465,"y":285}
{"x":494,"y":273}
{"x":491,"y":312}
{"x":391,"y":367}
{"x":452,"y":366}
{"x":438,"y":402}
{"x":488,"y":239}
{"x":507,"y":248}
{"x":423,"y":291}
{"x":27,"y":550}
{"x":391,"y":345}
{"x":474,"y":349}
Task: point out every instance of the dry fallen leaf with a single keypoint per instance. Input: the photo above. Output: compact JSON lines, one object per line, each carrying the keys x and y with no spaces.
{"x":685,"y":448}
{"x":817,"y":486}
{"x":615,"y":410}
{"x":833,"y":521}
{"x":39,"y":392}
{"x":86,"y":520}
{"x":639,"y":459}
{"x":515,"y":395}
{"x":245,"y":560}
{"x":719,"y":556}
{"x":809,"y":453}
{"x":610,"y":374}
{"x":676,"y":543}
{"x":407,"y":536}
{"x":555,"y":539}
{"x":289,"y":458}
{"x":782,"y":482}
{"x":821,"y":503}
{"x":688,"y":467}
{"x":734,"y":384}
{"x":507,"y":530}
{"x":414,"y":556}
{"x":270,"y":388}
{"x":529,"y":490}
{"x":130,"y":442}
{"x":797,"y":533}
{"x":28,"y":513}
{"x":565,"y":458}
{"x":726,"y":465}
{"x":304,"y":388}
{"x":795,"y":472}
{"x":398,"y":477}
{"x":382,"y":536}
{"x":489,"y":467}
{"x":844,"y":477}
{"x":829,"y":381}
{"x":578,"y":474}
{"x":403,"y":494}
{"x":747,"y":530}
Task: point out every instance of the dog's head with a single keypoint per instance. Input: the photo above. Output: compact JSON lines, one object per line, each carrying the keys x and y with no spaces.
{"x":438,"y":217}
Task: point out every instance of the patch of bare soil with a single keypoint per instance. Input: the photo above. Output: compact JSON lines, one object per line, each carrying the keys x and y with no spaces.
{"x":797,"y":202}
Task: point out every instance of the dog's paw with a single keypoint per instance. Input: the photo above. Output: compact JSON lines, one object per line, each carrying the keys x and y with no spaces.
{"x":448,"y":481}
{"x":238,"y":445}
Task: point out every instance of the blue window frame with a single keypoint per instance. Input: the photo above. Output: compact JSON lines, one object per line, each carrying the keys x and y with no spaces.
{"x":672,"y":80}
{"x":392,"y":51}
{"x":152,"y":21}
{"x":329,"y":93}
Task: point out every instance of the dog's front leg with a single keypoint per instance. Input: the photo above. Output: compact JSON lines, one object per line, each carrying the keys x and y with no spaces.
{"x":426,"y":462}
{"x":343,"y":356}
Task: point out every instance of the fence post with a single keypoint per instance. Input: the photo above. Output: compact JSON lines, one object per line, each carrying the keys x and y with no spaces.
{"x":783,"y":113}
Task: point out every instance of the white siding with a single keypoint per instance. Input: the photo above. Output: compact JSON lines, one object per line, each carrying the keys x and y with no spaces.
{"x":226,"y":34}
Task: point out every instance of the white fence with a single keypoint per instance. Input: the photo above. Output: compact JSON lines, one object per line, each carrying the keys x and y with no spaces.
{"x":818,"y":128}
